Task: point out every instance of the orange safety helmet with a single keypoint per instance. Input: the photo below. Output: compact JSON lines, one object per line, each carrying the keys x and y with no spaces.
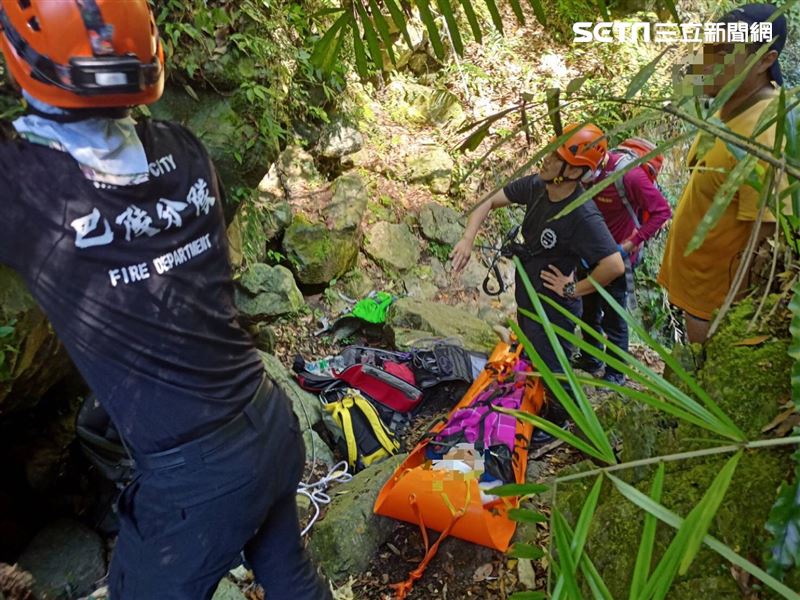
{"x":585,"y":148}
{"x":641,"y":147}
{"x":83,"y":53}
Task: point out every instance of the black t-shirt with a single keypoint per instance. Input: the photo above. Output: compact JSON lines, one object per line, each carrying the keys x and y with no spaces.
{"x":136,"y":282}
{"x":563,"y":242}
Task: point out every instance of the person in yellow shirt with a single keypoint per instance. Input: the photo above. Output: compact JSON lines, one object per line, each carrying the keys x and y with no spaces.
{"x":698,"y":283}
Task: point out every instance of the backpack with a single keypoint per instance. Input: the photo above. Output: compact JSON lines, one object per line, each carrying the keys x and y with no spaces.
{"x":632,"y":149}
{"x":396,"y":380}
{"x":358,"y":429}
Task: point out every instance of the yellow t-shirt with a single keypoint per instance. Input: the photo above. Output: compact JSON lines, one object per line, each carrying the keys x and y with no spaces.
{"x":699,"y":282}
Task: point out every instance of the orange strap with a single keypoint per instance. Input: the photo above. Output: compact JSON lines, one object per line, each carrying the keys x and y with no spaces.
{"x":404,"y":587}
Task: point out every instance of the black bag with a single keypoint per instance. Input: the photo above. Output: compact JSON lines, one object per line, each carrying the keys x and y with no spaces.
{"x":101,"y":443}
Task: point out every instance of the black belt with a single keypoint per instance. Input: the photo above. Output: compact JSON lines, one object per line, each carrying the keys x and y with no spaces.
{"x":195,"y":450}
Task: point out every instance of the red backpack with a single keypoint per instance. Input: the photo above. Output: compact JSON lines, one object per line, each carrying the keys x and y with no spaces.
{"x":630,"y":150}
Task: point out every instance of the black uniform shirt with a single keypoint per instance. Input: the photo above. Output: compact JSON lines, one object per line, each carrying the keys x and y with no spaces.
{"x":563,"y":242}
{"x":135,"y":281}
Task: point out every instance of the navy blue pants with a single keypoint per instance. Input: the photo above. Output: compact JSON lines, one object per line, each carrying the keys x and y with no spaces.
{"x":183,"y":528}
{"x":552,"y":411}
{"x":599,"y":315}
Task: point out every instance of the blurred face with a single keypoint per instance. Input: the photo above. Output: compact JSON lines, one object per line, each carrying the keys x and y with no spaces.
{"x":722,"y":62}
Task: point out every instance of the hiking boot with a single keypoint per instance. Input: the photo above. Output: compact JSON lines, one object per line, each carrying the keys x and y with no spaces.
{"x":541,"y":437}
{"x":589,"y":364}
{"x":615,"y":378}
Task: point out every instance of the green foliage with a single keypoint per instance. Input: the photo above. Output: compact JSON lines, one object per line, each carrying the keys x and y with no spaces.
{"x":784,"y":525}
{"x":794,"y":348}
{"x":257,"y":54}
{"x":7,"y":349}
{"x":440,"y":251}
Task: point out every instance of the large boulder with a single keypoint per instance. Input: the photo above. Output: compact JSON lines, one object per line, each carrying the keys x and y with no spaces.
{"x":426,"y":105}
{"x":31,"y":357}
{"x":339,"y":139}
{"x":268,"y":292}
{"x":431,"y":166}
{"x":439,"y":320}
{"x":441,"y":223}
{"x":322,"y":249}
{"x":344,"y":541}
{"x":393,"y":246}
{"x":318,"y":254}
{"x":298,"y":173}
{"x":66,"y":559}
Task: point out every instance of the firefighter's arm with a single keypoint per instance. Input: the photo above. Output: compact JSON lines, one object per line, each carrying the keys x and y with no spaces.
{"x":606,"y":271}
{"x":462,"y":250}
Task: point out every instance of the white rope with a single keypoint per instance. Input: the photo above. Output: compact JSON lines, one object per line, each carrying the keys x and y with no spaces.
{"x":316,"y":491}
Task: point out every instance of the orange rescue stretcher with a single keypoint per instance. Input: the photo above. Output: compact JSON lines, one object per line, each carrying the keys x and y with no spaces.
{"x":450,"y":501}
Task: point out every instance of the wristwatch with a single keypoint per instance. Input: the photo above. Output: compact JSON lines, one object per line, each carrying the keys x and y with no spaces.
{"x":569,"y":290}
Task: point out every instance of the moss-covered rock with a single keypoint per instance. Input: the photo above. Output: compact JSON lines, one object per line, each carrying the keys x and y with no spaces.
{"x":431,"y":166}
{"x":393,"y":246}
{"x":346,"y":539}
{"x":440,"y":320}
{"x":318,"y":254}
{"x":268,"y":292}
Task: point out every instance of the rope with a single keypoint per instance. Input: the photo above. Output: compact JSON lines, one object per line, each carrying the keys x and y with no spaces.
{"x":316,"y":491}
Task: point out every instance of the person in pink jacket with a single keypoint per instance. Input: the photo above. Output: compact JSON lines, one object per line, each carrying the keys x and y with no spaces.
{"x":634,"y":210}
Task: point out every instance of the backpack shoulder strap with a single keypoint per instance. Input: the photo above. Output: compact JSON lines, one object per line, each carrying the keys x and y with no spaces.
{"x":619,"y":184}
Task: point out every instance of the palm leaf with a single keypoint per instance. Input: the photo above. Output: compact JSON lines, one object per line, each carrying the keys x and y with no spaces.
{"x":452,"y":26}
{"x":580,"y":409}
{"x":326,"y":50}
{"x":654,"y":381}
{"x":517,"y":8}
{"x":566,"y":561}
{"x":644,"y":556}
{"x":369,"y":32}
{"x":670,"y":518}
{"x":536,"y":5}
{"x":430,"y":24}
{"x":383,"y":29}
{"x":519,"y":489}
{"x":525,"y":551}
{"x":359,"y":52}
{"x":644,"y":74}
{"x":722,"y":200}
{"x":495,"y":14}
{"x":399,"y":20}
{"x":677,"y":404}
{"x":581,"y":532}
{"x":596,"y":584}
{"x":705,"y":511}
{"x":733,"y":431}
{"x":673,"y":10}
{"x":469,"y":12}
